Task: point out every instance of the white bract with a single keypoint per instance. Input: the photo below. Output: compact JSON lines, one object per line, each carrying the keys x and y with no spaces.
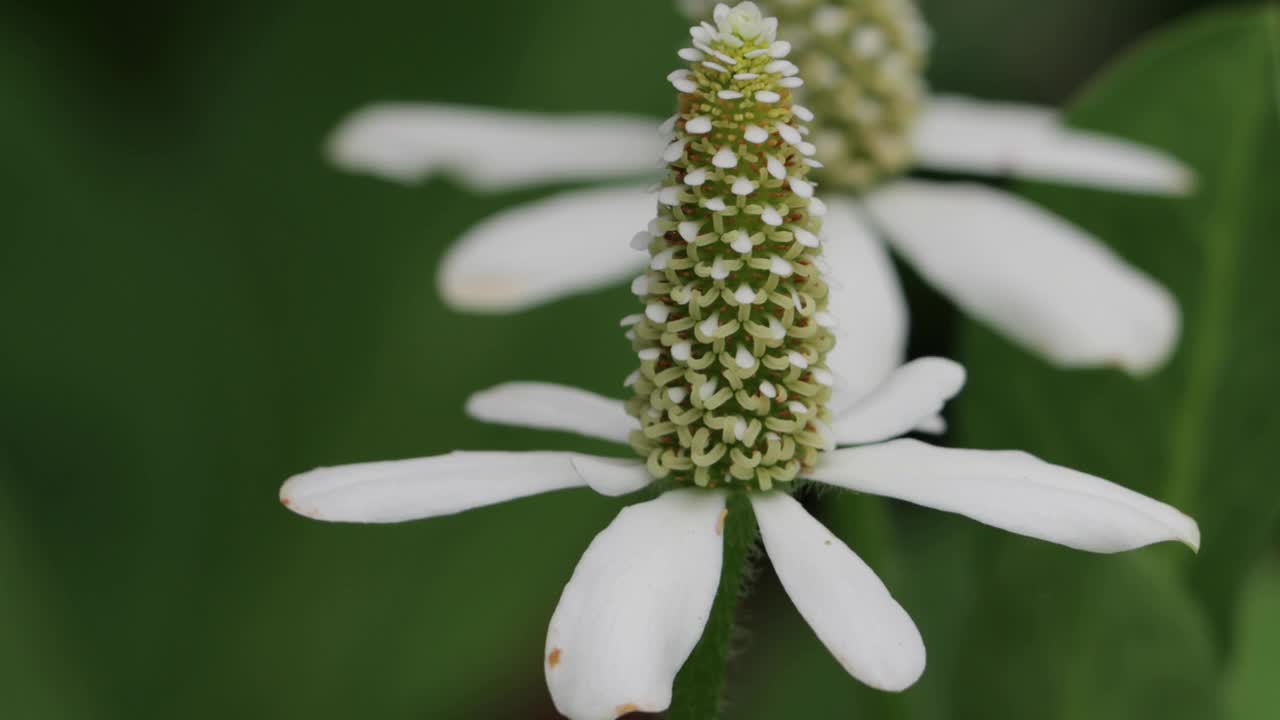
{"x":639,"y":598}
{"x":1044,"y":283}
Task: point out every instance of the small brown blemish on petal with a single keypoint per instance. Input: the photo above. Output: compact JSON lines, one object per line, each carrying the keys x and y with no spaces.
{"x":720,"y":521}
{"x":284,"y":501}
{"x":553,"y":659}
{"x":624,"y":709}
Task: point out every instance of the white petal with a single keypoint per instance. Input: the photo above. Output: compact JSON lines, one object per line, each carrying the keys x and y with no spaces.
{"x":867,"y":303}
{"x":553,"y":407}
{"x":1042,"y":281}
{"x":611,"y":477}
{"x":849,"y":608}
{"x":548,"y":249}
{"x":971,"y":136}
{"x":1013,"y":491}
{"x":635,"y":607}
{"x":932,"y":425}
{"x":912,"y":395}
{"x":402,"y":490}
{"x":490,"y":149}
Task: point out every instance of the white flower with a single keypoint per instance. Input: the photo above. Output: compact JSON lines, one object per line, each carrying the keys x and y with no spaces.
{"x":744,"y":388}
{"x":1045,"y":283}
{"x":642,"y":592}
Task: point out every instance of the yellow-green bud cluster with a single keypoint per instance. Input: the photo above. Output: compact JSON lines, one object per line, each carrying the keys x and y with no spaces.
{"x":733,"y":387}
{"x":864,"y":62}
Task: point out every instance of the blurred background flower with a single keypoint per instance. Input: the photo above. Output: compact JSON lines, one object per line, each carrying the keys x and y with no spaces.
{"x":194,"y":306}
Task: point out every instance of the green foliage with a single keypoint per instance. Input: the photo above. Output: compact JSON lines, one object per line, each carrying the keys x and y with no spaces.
{"x":40,"y":673}
{"x":195,"y":305}
{"x":1072,"y":637}
{"x":1252,"y":691}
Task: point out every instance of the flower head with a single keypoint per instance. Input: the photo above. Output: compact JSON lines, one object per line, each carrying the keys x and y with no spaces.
{"x":733,"y":385}
{"x":734,"y":397}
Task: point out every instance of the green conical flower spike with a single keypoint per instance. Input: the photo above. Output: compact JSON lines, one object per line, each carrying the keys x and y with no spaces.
{"x":733,"y":384}
{"x":864,"y":61}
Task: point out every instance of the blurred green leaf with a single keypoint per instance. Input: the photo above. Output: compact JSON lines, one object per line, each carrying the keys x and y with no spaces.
{"x":1198,"y":434}
{"x":1252,"y":691}
{"x":42,"y":678}
{"x":195,"y":306}
{"x":1067,"y":636}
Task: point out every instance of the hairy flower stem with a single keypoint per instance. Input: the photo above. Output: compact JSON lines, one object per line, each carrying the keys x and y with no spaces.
{"x":700,"y":686}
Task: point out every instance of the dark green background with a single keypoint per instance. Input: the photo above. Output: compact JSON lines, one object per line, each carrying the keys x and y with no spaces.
{"x":194,"y":306}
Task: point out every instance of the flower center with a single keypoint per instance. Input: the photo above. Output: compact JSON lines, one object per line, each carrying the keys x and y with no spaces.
{"x":732,"y":388}
{"x":864,"y":61}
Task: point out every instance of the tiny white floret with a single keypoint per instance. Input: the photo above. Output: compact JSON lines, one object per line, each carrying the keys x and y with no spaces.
{"x":700,"y":125}
{"x":804,"y":237}
{"x":725,"y":158}
{"x":718,"y":270}
{"x":803,"y":188}
{"x":743,"y":187}
{"x":776,"y":168}
{"x":657,"y":312}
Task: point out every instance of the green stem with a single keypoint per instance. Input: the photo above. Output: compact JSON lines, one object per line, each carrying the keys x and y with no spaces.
{"x":700,"y":684}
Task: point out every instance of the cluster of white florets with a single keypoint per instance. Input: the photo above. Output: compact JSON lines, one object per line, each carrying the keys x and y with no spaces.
{"x":864,"y":61}
{"x":732,"y":387}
